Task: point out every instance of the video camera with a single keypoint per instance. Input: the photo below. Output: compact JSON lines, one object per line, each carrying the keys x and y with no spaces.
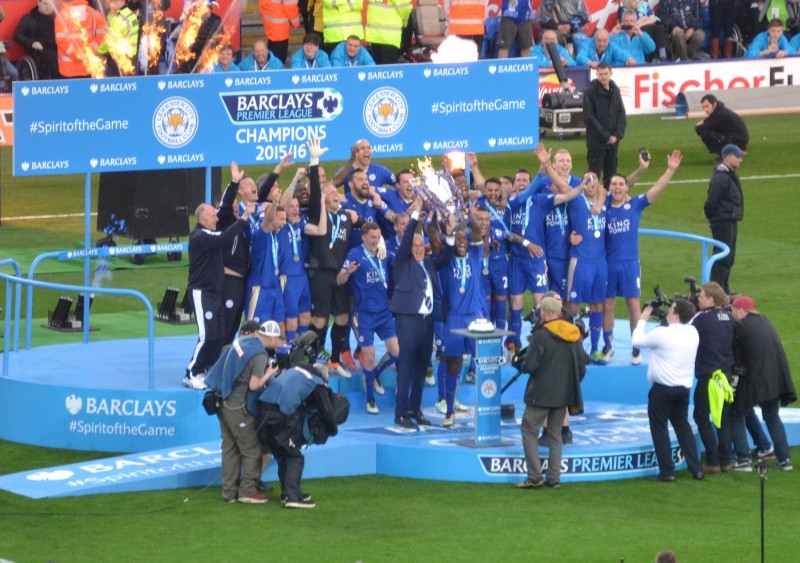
{"x":662,"y":300}
{"x":303,"y":348}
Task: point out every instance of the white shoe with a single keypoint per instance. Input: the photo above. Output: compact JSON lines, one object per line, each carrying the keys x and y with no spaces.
{"x":449,"y":421}
{"x":430,"y":380}
{"x":379,"y":386}
{"x":195,"y":382}
{"x":459,"y":407}
{"x":335,"y":368}
{"x":441,"y":407}
{"x":372,"y":407}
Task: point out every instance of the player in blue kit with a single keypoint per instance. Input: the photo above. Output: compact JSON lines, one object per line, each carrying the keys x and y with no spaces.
{"x":495,"y":266}
{"x":587,"y":274}
{"x":396,"y":201}
{"x":622,"y":249}
{"x":364,"y":200}
{"x":361,"y":157}
{"x":462,"y":302}
{"x":368,"y":277}
{"x":528,"y":271}
{"x":292,"y":259}
{"x":264,"y":301}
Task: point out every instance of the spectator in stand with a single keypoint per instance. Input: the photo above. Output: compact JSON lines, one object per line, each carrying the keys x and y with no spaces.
{"x":600,"y":50}
{"x":351,"y":53}
{"x":795,"y":44}
{"x":684,"y":22}
{"x":723,"y":15}
{"x":278,"y":17}
{"x":542,"y":56}
{"x":568,"y":17}
{"x":787,"y":11}
{"x":646,"y":20}
{"x":36,"y":33}
{"x":225,"y":61}
{"x":121,"y":43}
{"x":722,"y":127}
{"x":465,"y":18}
{"x":770,"y":44}
{"x":261,"y":58}
{"x":629,"y":37}
{"x":516,"y":24}
{"x":342,"y":20}
{"x":310,"y":55}
{"x":384,"y":30}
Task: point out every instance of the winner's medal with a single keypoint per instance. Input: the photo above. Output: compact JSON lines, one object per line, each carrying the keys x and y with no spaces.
{"x":296,"y":258}
{"x":597,"y":234}
{"x":461,"y":290}
{"x":486,"y":271}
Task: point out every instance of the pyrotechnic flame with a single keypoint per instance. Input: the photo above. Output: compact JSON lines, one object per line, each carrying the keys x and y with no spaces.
{"x":122,"y":52}
{"x":152,"y":32}
{"x":192,"y":21}
{"x":455,"y":49}
{"x":211,"y":53}
{"x":83,"y":48}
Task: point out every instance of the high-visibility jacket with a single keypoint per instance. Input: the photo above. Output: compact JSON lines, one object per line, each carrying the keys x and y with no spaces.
{"x":278,"y":17}
{"x":75,"y":19}
{"x":123,"y":23}
{"x":342,"y":19}
{"x":466,"y":17}
{"x":386,"y":20}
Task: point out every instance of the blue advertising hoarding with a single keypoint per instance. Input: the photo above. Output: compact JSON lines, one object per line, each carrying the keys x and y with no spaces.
{"x":189,"y":121}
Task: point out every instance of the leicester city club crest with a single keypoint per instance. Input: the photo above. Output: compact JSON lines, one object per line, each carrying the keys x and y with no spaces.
{"x":175,"y":122}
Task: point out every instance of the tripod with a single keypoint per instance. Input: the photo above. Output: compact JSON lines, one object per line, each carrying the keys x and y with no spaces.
{"x":762,"y":467}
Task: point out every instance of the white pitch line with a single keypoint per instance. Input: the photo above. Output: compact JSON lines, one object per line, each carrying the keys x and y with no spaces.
{"x":36,"y":217}
{"x":743,"y":178}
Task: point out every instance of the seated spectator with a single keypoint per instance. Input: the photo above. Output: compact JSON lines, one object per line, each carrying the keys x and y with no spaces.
{"x":568,"y":17}
{"x":627,"y":36}
{"x":225,"y":61}
{"x":36,"y":33}
{"x":770,"y":44}
{"x":647,"y":21}
{"x":721,"y":127}
{"x":788,"y":11}
{"x":310,"y":56}
{"x":542,"y":56}
{"x":600,"y":50}
{"x":684,"y":22}
{"x":794,"y":44}
{"x":261,"y":58}
{"x":351,"y":53}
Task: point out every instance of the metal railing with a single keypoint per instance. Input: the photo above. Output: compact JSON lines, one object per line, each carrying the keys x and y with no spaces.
{"x":705,"y":263}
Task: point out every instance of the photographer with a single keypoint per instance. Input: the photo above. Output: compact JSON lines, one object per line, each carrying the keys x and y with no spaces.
{"x":671,"y":372}
{"x":240,"y":372}
{"x":284,"y":406}
{"x":557,"y":364}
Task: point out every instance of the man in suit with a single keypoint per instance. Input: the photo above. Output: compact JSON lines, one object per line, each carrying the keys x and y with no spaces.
{"x":415,"y":289}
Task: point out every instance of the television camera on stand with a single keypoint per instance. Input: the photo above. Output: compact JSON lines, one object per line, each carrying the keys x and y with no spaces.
{"x":561,"y":112}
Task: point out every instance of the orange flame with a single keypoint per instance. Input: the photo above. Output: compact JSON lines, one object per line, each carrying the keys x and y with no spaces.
{"x":152,"y":32}
{"x":83,"y":48}
{"x":211,"y":53}
{"x":192,"y":21}
{"x":121,"y":50}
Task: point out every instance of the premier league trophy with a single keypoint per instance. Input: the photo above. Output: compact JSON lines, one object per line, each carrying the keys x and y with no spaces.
{"x":439,"y":191}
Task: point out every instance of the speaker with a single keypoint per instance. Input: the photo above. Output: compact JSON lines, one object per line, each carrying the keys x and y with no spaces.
{"x":152,"y":203}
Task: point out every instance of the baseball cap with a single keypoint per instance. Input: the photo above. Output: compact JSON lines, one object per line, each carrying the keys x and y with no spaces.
{"x":732,"y":149}
{"x":550,"y":305}
{"x":249,"y":327}
{"x":270,"y":328}
{"x":745,"y":303}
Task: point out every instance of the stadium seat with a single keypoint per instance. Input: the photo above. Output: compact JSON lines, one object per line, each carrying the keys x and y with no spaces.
{"x":430,"y":23}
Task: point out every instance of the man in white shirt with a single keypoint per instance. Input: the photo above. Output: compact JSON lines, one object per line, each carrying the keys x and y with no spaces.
{"x":671,"y":372}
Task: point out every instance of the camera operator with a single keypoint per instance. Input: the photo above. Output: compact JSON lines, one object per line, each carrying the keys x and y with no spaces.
{"x":241,"y":371}
{"x":284,"y":405}
{"x":556,"y":363}
{"x":714,"y":326}
{"x":671,"y":372}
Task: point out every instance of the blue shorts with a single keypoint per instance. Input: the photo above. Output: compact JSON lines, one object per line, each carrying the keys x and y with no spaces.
{"x":367,"y":325}
{"x":296,"y":296}
{"x":586,"y":282}
{"x":557,"y":276}
{"x":527,"y":274}
{"x":498,"y":276}
{"x":265,"y":304}
{"x":624,"y":279}
{"x":454,"y":345}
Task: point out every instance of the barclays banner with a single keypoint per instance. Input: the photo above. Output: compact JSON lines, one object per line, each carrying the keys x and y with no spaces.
{"x":190,"y":121}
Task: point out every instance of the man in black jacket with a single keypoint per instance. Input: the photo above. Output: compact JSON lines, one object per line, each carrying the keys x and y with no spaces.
{"x":36,"y":33}
{"x":722,"y":127}
{"x":724,"y":208}
{"x":556,"y":363}
{"x":606,"y":121}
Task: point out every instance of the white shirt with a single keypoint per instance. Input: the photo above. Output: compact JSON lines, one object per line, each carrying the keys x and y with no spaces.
{"x":673,"y":350}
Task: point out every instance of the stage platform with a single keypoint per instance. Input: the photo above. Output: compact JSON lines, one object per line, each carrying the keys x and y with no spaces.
{"x":95,"y":397}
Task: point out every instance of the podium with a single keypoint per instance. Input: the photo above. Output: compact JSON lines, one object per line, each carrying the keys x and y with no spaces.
{"x":488,"y":361}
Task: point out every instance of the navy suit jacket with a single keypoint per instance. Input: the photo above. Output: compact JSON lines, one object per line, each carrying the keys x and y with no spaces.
{"x":409,"y":279}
